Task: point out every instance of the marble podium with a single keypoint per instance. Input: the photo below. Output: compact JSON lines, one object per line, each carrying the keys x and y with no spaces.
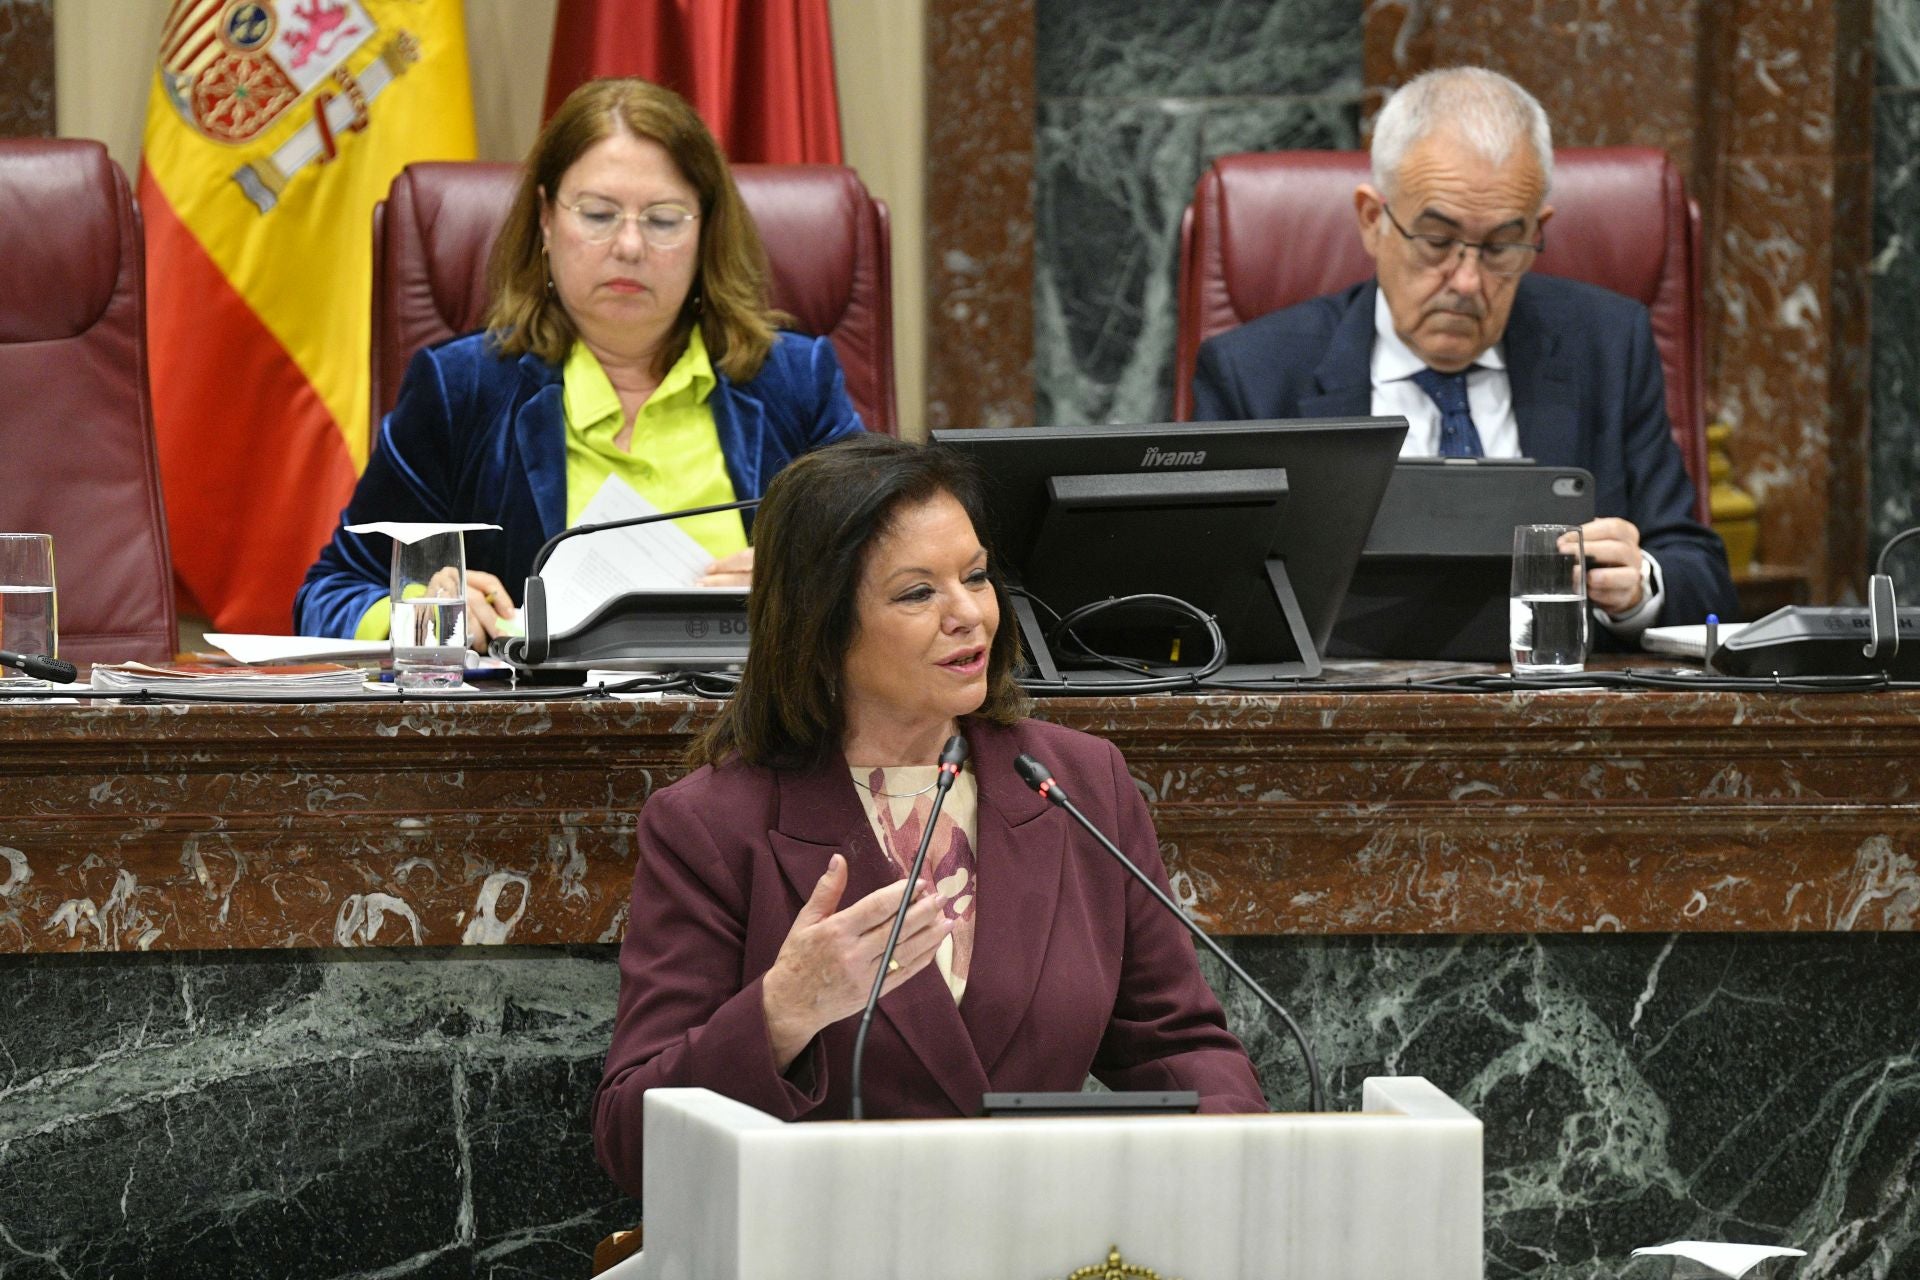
{"x":1390,"y":1193}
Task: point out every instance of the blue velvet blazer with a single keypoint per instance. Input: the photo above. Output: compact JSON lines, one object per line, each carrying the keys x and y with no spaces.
{"x":479,"y":436}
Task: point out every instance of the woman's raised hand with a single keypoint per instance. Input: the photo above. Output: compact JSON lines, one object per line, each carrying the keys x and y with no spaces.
{"x":826,"y":966}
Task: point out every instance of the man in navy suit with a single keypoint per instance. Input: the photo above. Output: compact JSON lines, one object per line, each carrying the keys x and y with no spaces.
{"x":1482,"y":358}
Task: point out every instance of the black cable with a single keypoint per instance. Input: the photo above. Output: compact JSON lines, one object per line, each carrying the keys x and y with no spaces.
{"x":1080,"y":646}
{"x":1880,"y":563}
{"x":1151,"y":601}
{"x":720,"y":685}
{"x":675,"y":683}
{"x":1183,"y":681}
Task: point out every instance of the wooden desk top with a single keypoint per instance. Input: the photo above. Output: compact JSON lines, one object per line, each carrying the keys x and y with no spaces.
{"x":127,"y":827}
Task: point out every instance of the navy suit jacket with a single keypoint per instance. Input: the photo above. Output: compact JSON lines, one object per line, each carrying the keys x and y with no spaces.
{"x":1587,"y":392}
{"x":1075,"y":966}
{"x":476,"y":436}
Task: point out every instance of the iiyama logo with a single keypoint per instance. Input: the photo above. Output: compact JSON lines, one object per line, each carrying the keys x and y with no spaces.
{"x":1183,"y":458}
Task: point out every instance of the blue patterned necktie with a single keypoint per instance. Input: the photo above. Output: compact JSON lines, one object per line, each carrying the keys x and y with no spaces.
{"x":1458,"y":438}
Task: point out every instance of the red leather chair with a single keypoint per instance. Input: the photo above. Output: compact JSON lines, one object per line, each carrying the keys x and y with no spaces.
{"x":1271,"y":229}
{"x":826,"y":241}
{"x":77,"y":457}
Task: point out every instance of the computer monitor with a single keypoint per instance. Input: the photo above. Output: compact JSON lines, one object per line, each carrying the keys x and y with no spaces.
{"x":1433,"y":579}
{"x":1257,"y":523}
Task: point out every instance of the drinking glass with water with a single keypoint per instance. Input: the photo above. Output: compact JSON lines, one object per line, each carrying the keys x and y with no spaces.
{"x":429,"y":625}
{"x":28,"y":619}
{"x":1547,"y":612}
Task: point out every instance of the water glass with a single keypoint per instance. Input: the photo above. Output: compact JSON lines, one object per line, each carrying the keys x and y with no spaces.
{"x":429,"y":626}
{"x":28,"y":621}
{"x":1547,"y":611}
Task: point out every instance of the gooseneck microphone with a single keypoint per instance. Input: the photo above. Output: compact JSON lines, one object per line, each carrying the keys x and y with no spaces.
{"x":533,"y":647}
{"x":952,"y":756}
{"x":40,"y":667}
{"x":1037,"y":776}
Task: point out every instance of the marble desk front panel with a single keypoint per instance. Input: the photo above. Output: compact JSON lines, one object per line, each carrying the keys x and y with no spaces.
{"x":126,"y":827}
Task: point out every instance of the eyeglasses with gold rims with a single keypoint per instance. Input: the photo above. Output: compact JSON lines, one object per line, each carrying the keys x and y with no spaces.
{"x":1497,"y":257}
{"x":662,"y":226}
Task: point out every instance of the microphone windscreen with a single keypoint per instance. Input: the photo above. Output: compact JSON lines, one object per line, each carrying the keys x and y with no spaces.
{"x":58,"y":670}
{"x":954,"y":754}
{"x":40,"y":667}
{"x":1031,"y":771}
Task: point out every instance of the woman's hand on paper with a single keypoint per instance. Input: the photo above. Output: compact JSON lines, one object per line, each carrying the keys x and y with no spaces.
{"x":487,"y":605}
{"x":735,"y":570}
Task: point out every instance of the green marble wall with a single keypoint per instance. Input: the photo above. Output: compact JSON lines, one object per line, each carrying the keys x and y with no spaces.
{"x":1136,"y":98}
{"x":424,"y":1114}
{"x":1895,"y":457}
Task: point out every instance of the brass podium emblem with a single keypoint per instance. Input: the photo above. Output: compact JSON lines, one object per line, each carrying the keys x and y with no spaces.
{"x":1116,"y":1268}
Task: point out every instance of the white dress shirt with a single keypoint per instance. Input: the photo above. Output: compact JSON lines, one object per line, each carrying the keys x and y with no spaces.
{"x":1490,"y":400}
{"x":1396,"y":395}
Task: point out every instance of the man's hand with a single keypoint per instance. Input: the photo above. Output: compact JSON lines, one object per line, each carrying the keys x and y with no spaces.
{"x":1613,"y":556}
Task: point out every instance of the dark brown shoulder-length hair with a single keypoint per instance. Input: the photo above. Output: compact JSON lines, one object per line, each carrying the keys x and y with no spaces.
{"x":811,"y":540}
{"x":729,"y":294}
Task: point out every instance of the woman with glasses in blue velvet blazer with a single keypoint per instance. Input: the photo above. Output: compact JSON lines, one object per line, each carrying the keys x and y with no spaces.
{"x":629,"y":337}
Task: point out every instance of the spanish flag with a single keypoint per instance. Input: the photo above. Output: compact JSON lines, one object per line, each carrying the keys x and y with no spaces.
{"x":272,"y":129}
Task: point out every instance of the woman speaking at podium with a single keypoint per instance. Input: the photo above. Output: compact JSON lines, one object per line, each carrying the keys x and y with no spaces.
{"x":629,"y":335}
{"x":768,"y":878}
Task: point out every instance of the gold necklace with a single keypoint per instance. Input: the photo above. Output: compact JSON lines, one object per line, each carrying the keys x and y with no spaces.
{"x":898,"y":795}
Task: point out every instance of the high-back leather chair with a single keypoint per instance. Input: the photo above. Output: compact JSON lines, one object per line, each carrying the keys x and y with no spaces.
{"x":1267,"y":230}
{"x":77,"y":456}
{"x":826,"y":240}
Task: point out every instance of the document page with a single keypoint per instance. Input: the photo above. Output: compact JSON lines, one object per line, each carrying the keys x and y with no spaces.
{"x":587,"y":571}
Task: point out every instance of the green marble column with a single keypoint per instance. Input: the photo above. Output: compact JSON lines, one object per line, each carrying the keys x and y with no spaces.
{"x":1136,"y":98}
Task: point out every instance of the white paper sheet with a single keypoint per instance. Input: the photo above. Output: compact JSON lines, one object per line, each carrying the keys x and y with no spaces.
{"x":584,"y":573}
{"x":1686,"y":642}
{"x":410,"y":533}
{"x":250,"y":648}
{"x":1730,"y":1260}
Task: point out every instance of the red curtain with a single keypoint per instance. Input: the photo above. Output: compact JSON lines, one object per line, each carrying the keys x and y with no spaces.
{"x":760,"y":72}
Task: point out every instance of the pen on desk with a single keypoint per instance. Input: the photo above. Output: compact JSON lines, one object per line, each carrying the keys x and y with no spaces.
{"x":472,"y":674}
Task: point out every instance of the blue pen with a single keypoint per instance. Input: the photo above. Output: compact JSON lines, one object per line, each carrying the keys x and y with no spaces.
{"x":471,"y":674}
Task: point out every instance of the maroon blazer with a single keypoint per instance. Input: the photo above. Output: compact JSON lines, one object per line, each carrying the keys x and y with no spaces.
{"x":1075,"y":967}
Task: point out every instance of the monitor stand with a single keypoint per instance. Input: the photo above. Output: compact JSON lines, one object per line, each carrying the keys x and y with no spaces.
{"x":1196,"y":536}
{"x":1305,"y":665}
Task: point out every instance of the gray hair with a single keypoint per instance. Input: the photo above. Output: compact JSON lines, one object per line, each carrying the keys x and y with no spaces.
{"x":1489,"y":112}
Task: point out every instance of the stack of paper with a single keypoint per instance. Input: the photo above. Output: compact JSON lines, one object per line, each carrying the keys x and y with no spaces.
{"x":324,"y":679}
{"x":1686,"y":642}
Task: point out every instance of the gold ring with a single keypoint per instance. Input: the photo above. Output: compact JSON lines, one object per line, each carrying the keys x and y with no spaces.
{"x":893,"y":966}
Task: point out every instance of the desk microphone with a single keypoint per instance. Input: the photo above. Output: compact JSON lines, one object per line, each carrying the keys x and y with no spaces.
{"x":40,"y":667}
{"x":533,"y":605}
{"x":1036,"y":775}
{"x":952,"y":756}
